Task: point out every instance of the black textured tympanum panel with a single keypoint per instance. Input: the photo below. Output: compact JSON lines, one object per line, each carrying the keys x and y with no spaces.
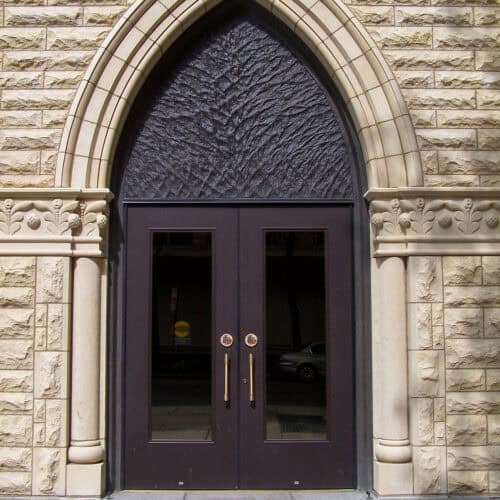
{"x":237,"y":116}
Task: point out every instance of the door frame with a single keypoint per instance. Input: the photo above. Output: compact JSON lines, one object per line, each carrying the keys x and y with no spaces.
{"x":361,"y":330}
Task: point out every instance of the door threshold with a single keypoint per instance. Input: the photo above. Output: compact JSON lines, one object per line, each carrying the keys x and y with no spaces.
{"x":241,"y":495}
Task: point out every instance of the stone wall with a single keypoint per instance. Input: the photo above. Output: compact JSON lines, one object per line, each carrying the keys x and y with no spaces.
{"x":34,"y":300}
{"x":454,"y":356}
{"x":445,"y":55}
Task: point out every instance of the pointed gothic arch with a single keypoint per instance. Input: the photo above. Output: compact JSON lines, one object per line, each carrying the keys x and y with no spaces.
{"x":149,"y":28}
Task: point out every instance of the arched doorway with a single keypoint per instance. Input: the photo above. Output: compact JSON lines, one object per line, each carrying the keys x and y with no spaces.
{"x":237,"y":184}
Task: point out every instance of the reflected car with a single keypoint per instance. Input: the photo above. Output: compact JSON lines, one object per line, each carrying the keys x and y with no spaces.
{"x":308,"y":364}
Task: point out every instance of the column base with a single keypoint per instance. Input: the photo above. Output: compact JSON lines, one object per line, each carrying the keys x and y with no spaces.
{"x":85,"y":479}
{"x":393,"y":479}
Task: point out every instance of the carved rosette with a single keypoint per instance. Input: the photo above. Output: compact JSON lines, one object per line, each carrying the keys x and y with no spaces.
{"x":52,"y":221}
{"x":451,"y":225}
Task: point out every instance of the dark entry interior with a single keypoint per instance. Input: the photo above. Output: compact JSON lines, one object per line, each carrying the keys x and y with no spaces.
{"x":238,"y":113}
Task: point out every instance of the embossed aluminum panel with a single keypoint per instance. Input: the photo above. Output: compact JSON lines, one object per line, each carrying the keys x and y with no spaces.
{"x":235,"y":115}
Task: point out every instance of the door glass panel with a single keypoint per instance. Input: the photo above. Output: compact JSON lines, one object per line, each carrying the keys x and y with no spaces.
{"x":295,"y":335}
{"x":181,"y":329}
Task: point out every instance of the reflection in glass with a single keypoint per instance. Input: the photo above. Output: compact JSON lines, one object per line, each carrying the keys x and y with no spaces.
{"x":182,"y":321}
{"x":295,"y":335}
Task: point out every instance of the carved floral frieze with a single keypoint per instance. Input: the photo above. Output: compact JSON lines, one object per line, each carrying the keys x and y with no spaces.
{"x":52,"y":217}
{"x":60,"y":221}
{"x":455,"y":224}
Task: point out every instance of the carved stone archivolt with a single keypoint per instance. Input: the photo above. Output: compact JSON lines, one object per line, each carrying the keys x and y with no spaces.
{"x":56,"y":221}
{"x":435,"y":221}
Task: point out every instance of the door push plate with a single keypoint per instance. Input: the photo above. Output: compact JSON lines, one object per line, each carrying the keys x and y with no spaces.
{"x":226,"y":340}
{"x":251,"y":340}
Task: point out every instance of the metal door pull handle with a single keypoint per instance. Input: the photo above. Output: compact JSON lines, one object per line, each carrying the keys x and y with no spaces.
{"x":226,"y":380}
{"x":251,"y":366}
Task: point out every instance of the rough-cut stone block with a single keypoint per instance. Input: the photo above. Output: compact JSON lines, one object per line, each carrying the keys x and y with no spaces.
{"x":395,"y":37}
{"x":57,"y":422}
{"x":421,"y":421}
{"x":494,"y":429}
{"x":414,"y":79}
{"x":15,"y":430}
{"x":54,"y":118}
{"x":16,"y":354}
{"x":494,"y":481}
{"x":423,"y":118}
{"x":22,"y":38}
{"x":462,"y":270}
{"x":39,"y":434}
{"x":459,"y":296}
{"x":492,"y":322}
{"x":451,"y":180}
{"x":491,"y":270}
{"x":16,"y":323}
{"x":488,"y":139}
{"x":464,"y":162}
{"x":19,"y":297}
{"x":487,"y":16}
{"x":41,"y":339}
{"x":465,"y":322}
{"x":433,"y":16}
{"x":51,"y":375}
{"x":39,"y":410}
{"x":472,"y":118}
{"x":466,"y":38}
{"x":446,"y":139}
{"x":21,"y":79}
{"x":429,"y":162}
{"x":439,"y":409}
{"x":466,"y":429}
{"x":437,"y":314}
{"x":15,"y":483}
{"x":472,"y":353}
{"x":24,"y":16}
{"x":426,"y":370}
{"x":467,"y":79}
{"x":58,"y":327}
{"x":52,"y":284}
{"x":467,"y":482}
{"x":378,"y":15}
{"x":438,"y":337}
{"x":429,"y":469}
{"x":435,"y":59}
{"x":474,"y":403}
{"x":489,"y":180}
{"x":12,"y":403}
{"x":48,"y":162}
{"x":424,"y":279}
{"x":49,"y":471}
{"x":41,"y":315}
{"x":419,"y":326}
{"x":16,"y":380}
{"x":474,"y":458}
{"x":488,"y":99}
{"x":49,"y":60}
{"x":15,"y":459}
{"x":26,"y":181}
{"x":102,"y":15}
{"x":488,"y":61}
{"x":493,"y":380}
{"x":22,"y":119}
{"x":465,"y":380}
{"x":17,"y":271}
{"x":29,"y":139}
{"x":75,"y":38}
{"x":63,"y":79}
{"x":439,"y":433}
{"x":19,"y":162}
{"x":37,"y":99}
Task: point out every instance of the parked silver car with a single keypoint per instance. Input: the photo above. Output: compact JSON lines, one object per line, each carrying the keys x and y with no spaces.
{"x":307,"y":364}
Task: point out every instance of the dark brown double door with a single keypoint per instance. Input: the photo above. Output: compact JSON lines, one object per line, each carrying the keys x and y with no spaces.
{"x":272,"y":409}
